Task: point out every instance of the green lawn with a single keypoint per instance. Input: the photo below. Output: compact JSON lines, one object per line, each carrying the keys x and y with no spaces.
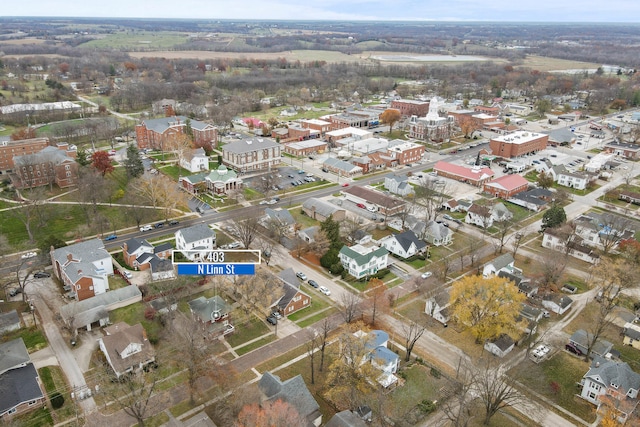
{"x":134,"y":314}
{"x":316,"y":318}
{"x":317,"y":304}
{"x":302,"y":219}
{"x":53,"y":380}
{"x":419,"y":385}
{"x":33,"y":338}
{"x":247,"y":331}
{"x":174,"y":171}
{"x":254,"y":345}
{"x":557,"y":379}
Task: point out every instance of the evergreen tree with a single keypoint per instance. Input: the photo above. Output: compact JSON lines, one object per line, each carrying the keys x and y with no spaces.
{"x":133,"y":163}
{"x":82,"y":157}
{"x":553,"y":217}
{"x":331,"y":229}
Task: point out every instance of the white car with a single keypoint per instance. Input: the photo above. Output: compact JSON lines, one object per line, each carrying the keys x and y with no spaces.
{"x":147,"y":227}
{"x":324,"y":290}
{"x":128,"y":275}
{"x":372,"y":209}
{"x":234,"y":245}
{"x":426,"y":275}
{"x":29,"y":255}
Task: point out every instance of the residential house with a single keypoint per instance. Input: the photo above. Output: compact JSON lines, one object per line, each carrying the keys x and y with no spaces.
{"x":292,"y":298}
{"x":138,"y":253}
{"x":600,"y":229}
{"x":9,"y":322}
{"x":251,"y":155}
{"x":375,"y":345}
{"x":500,"y":346}
{"x":51,"y":165}
{"x":504,"y":262}
{"x":556,"y":303}
{"x":397,"y":184}
{"x":292,"y":391}
{"x":476,"y":175}
{"x":346,"y":418}
{"x":479,"y":216}
{"x":281,"y":218}
{"x":386,"y":205}
{"x":20,"y":388}
{"x":195,"y":160}
{"x":506,"y":186}
{"x":320,"y":210}
{"x":575,"y":180}
{"x":631,"y":335}
{"x":500,"y":213}
{"x":615,"y":380}
{"x":450,"y":205}
{"x":559,"y":240}
{"x":437,"y":234}
{"x":404,"y":245}
{"x":438,"y":307}
{"x":85,"y":267}
{"x":95,"y":311}
{"x":159,"y":133}
{"x":360,"y":261}
{"x":309,"y":234}
{"x":213,"y":314}
{"x":623,"y":149}
{"x":524,"y":284}
{"x":126,"y":348}
{"x":535,"y":199}
{"x":195,"y":241}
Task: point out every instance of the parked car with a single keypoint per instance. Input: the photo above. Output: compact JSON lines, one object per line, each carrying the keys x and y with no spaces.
{"x":28,"y":255}
{"x":263,"y":202}
{"x":15,"y":292}
{"x":313,"y":284}
{"x":571,"y":348}
{"x":276,"y":315}
{"x":361,"y":206}
{"x":346,"y":184}
{"x":372,"y":209}
{"x":325,"y":290}
{"x":448,"y":217}
{"x":234,"y":245}
{"x":110,"y":237}
{"x":128,"y":275}
{"x":159,"y":225}
{"x":300,"y":171}
{"x":426,"y":274}
{"x":272,"y":319}
{"x":174,"y":222}
{"x":325,"y":170}
{"x":41,"y":275}
{"x":301,"y":275}
{"x":147,"y":227}
{"x":290,"y":175}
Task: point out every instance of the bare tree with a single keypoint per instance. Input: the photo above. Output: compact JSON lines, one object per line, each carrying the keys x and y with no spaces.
{"x":350,"y":229}
{"x":375,"y":297}
{"x":501,"y":237}
{"x":612,"y":230}
{"x":412,"y":331}
{"x":350,"y":306}
{"x":430,"y":195}
{"x":323,"y":334}
{"x":458,"y":407}
{"x":312,"y":346}
{"x":444,"y":267}
{"x":246,"y":229}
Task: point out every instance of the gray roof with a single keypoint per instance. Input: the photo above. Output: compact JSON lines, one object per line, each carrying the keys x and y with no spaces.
{"x":581,"y":338}
{"x":282,"y":215}
{"x":346,"y":419}
{"x":19,"y":386}
{"x":293,"y":391}
{"x":9,"y":320}
{"x":320,"y":206}
{"x":196,"y":232}
{"x":501,"y":261}
{"x":249,"y":145}
{"x":46,"y":155}
{"x":406,"y":238}
{"x":160,"y":264}
{"x":162,"y":124}
{"x":206,"y":309}
{"x":503,"y":342}
{"x":104,"y":300}
{"x":13,"y":354}
{"x":291,"y":287}
{"x":612,"y":373}
{"x":83,"y":255}
{"x":135,"y":243}
{"x":340,"y":164}
{"x":384,"y":354}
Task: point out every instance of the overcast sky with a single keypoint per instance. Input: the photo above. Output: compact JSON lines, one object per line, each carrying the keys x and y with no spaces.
{"x":424,"y":10}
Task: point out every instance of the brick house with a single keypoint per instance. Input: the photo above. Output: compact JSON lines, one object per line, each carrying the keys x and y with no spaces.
{"x":518,"y":144}
{"x":140,"y":254}
{"x":628,"y":151}
{"x":506,"y":186}
{"x":51,"y":165}
{"x":213,"y":314}
{"x":155,"y":133}
{"x":291,"y":298}
{"x":253,"y":154}
{"x":85,"y":267}
{"x":23,"y":147}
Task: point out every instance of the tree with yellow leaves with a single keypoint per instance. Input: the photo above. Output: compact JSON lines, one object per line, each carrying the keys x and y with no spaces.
{"x":489,"y":307}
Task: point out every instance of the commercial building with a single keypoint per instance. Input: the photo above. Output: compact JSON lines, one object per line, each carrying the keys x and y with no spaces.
{"x":518,"y":144}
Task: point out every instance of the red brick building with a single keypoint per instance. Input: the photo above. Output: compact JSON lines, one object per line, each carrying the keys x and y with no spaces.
{"x":156,"y":133}
{"x":10,"y":149}
{"x":506,"y":186}
{"x":518,"y":144}
{"x":475,"y":176}
{"x":411,"y":107}
{"x":405,"y":151}
{"x":316,"y":124}
{"x":51,"y":165}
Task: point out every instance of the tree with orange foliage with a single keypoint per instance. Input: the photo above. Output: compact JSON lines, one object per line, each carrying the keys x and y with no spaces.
{"x":23,"y":133}
{"x":269,"y":414}
{"x":390,"y":116}
{"x":101,"y":162}
{"x":467,"y":125}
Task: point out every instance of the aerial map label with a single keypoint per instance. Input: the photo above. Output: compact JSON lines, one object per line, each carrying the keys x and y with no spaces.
{"x":217,"y":262}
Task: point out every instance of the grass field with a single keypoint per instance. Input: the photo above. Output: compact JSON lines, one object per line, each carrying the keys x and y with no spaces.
{"x":137,"y":40}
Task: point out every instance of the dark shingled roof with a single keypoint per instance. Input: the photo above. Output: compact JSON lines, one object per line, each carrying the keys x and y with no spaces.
{"x":19,"y":386}
{"x":293,"y":391}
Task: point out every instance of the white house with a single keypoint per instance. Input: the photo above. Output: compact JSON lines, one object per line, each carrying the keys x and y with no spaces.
{"x":195,"y":160}
{"x":361,"y":261}
{"x":614,"y":379}
{"x":126,"y":348}
{"x":504,"y":262}
{"x":194,"y":239}
{"x":559,"y":304}
{"x":479,"y":216}
{"x":575,"y":180}
{"x":438,"y":307}
{"x":397,"y":184}
{"x":404,"y":245}
{"x":554,"y":239}
{"x":437,"y":234}
{"x":501,"y":346}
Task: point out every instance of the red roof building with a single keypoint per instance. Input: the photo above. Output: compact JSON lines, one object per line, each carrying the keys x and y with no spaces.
{"x":506,"y":186}
{"x":475,"y":176}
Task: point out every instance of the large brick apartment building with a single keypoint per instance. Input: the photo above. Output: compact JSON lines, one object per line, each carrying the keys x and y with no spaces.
{"x":410,"y":107}
{"x":254,"y":154}
{"x":51,"y":165}
{"x":518,"y":144}
{"x":10,"y":149}
{"x":156,"y":133}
